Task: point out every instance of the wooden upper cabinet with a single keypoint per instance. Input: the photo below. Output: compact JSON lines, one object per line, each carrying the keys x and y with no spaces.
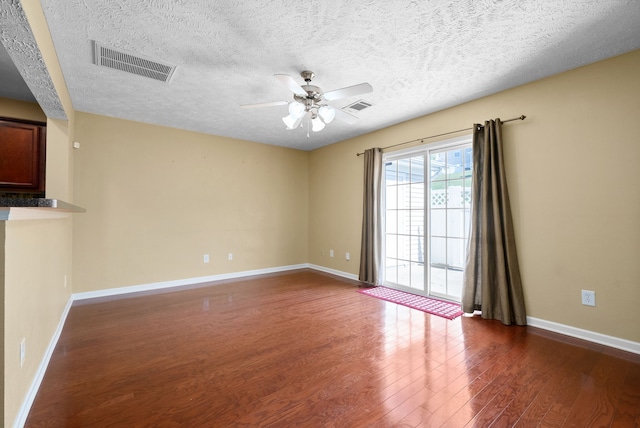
{"x":22,"y":155}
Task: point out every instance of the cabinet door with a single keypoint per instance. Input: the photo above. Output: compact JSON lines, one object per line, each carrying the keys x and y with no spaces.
{"x":22,"y":156}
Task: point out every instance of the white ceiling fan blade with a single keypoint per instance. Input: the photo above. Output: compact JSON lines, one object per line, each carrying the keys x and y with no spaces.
{"x":345,"y":117}
{"x":349,"y":91}
{"x":288,"y":81}
{"x":271,"y":104}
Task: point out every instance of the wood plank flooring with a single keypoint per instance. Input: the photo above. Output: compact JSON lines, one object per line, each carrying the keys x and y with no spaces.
{"x":304,"y":349}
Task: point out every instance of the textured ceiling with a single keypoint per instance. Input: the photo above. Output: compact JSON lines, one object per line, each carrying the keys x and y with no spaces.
{"x":419,"y":56}
{"x":23,"y":73}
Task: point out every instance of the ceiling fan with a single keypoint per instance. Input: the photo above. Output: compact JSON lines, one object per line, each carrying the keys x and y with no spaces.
{"x":309,"y":101}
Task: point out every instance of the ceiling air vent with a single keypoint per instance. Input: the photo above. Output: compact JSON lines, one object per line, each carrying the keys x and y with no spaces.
{"x":135,"y":64}
{"x":358,"y":105}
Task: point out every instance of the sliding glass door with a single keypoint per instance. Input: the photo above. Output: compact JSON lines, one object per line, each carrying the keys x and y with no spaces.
{"x":405,"y":222}
{"x":427,"y":206}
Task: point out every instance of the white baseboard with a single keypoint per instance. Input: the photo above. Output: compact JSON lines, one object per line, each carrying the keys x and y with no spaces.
{"x":334,"y":272}
{"x":181,"y":282}
{"x":591,"y":336}
{"x":21,"y":418}
{"x":203,"y":279}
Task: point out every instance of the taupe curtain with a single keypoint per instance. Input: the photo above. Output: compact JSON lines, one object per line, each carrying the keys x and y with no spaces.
{"x":492,"y":281}
{"x":371,"y":247}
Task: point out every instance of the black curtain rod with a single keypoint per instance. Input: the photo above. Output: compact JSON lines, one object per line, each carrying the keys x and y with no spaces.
{"x":522,"y":117}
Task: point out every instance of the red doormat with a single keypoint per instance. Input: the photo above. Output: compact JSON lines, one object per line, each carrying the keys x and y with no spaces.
{"x":426,"y":304}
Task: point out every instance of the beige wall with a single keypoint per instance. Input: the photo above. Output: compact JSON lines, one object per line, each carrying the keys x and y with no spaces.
{"x":37,"y":252}
{"x":21,"y":110}
{"x":40,"y":29}
{"x":573,"y":177}
{"x":37,"y":256}
{"x":158,"y":199}
{"x":59,"y":175}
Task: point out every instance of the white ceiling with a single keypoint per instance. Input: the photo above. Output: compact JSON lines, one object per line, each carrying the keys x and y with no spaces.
{"x":419,"y":56}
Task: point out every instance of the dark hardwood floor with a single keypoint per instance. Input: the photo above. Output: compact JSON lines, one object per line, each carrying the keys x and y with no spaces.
{"x":304,"y":349}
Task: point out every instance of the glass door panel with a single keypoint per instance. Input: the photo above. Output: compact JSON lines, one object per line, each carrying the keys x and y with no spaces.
{"x":405,"y":223}
{"x":450,"y":198}
{"x":427,"y":210}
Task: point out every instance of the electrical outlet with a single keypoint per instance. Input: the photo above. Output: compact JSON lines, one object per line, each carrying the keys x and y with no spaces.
{"x":23,"y":350}
{"x":330,"y":253}
{"x":230,"y":256}
{"x":205,"y":258}
{"x":588,"y":298}
{"x":348,"y":256}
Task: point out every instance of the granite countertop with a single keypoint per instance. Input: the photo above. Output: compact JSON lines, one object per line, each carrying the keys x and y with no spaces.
{"x":35,"y":208}
{"x":55,"y":204}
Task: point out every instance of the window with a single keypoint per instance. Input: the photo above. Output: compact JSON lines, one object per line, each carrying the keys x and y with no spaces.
{"x":427,"y":202}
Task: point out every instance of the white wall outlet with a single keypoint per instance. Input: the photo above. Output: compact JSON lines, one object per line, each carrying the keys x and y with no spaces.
{"x":588,"y":298}
{"x":330,"y":253}
{"x":23,"y":351}
{"x":205,"y":258}
{"x":230,"y":256}
{"x":347,"y":256}
{"x":76,"y":145}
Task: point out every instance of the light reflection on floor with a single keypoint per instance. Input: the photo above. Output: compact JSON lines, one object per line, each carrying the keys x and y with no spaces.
{"x":413,"y":369}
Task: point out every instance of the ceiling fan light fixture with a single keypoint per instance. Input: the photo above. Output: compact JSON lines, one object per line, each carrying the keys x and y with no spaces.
{"x":326,"y":113}
{"x":309,"y":103}
{"x":296,"y":109}
{"x":316,"y":124}
{"x":290,"y":121}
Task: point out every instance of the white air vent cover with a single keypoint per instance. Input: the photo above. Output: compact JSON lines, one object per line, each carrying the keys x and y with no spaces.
{"x":358,"y":105}
{"x":135,"y":64}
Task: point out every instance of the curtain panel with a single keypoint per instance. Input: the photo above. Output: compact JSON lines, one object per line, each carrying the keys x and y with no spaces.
{"x":371,"y":246}
{"x":492,"y":282}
